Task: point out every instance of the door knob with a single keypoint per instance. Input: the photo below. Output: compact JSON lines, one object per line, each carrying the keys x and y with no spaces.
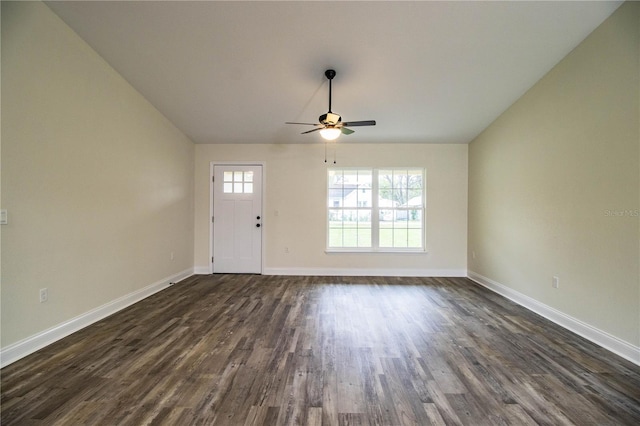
{"x":257,"y":225}
{"x":258,"y":217}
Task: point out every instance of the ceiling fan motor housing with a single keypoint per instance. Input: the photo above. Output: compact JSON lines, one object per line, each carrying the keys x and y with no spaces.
{"x":330,"y":118}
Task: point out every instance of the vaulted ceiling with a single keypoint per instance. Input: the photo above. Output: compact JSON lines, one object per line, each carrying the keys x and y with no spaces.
{"x":428,"y":72}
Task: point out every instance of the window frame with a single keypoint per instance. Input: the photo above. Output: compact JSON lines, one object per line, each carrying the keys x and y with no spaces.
{"x":375,"y":212}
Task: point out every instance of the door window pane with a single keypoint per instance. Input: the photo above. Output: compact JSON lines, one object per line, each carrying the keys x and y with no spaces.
{"x":238,"y":182}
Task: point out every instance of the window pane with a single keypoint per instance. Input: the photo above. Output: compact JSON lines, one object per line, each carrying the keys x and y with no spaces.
{"x":335,"y":237}
{"x":237,"y":188}
{"x":400,"y":218}
{"x":228,"y":188}
{"x":415,"y":179}
{"x":399,"y":179}
{"x":349,"y":237}
{"x":350,"y":177}
{"x":399,"y":238}
{"x":364,"y":197}
{"x":415,"y":218}
{"x":415,"y":197}
{"x":248,"y":188}
{"x":365,"y":177}
{"x":350,"y":217}
{"x":237,"y":176}
{"x":335,"y":197}
{"x":386,"y":216}
{"x":414,"y":238}
{"x":248,"y":176}
{"x":386,"y":237}
{"x":385,"y":178}
{"x":228,"y":176}
{"x":335,"y":178}
{"x":364,"y":237}
{"x":335,"y":218}
{"x":350,"y":197}
{"x":400,"y":197}
{"x":364,"y":218}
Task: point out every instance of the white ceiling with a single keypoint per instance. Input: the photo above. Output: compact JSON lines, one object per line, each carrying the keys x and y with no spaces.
{"x":428,"y":72}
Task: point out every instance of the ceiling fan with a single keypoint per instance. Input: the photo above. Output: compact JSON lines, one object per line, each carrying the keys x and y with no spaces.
{"x":330,"y":124}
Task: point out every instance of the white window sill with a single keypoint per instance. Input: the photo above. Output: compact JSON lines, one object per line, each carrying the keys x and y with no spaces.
{"x":379,"y":251}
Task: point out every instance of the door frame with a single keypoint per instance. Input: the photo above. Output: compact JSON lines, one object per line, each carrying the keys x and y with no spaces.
{"x":212,"y":164}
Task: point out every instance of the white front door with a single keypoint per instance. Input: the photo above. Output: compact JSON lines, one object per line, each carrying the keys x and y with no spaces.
{"x":237,"y":219}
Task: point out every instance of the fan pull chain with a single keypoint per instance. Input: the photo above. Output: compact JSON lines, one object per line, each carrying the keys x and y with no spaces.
{"x":335,"y":151}
{"x":325,"y":151}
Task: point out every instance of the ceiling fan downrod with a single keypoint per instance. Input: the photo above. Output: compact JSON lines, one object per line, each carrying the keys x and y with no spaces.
{"x":330,"y":74}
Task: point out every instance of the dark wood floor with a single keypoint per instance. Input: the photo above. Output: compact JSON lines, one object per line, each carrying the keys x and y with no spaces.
{"x":244,"y":350}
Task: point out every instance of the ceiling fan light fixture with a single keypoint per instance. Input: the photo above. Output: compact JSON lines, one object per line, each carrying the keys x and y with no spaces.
{"x":330,"y":133}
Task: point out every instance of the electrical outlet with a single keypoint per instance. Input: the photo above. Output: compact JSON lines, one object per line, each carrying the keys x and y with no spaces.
{"x":555,"y":283}
{"x":286,"y":250}
{"x":44,"y":295}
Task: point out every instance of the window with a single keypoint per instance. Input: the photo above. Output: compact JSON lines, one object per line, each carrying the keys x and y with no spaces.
{"x":375,"y":209}
{"x":238,"y":182}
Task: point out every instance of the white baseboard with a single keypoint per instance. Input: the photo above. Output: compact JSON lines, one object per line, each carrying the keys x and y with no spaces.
{"x":201,"y":270}
{"x":365,"y":272}
{"x":18,"y":350}
{"x":620,"y":347}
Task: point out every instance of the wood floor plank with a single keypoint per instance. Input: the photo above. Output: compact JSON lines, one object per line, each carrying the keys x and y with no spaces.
{"x":271,"y":350}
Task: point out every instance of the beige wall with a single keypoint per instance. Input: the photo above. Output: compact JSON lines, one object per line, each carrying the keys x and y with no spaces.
{"x":97,"y":183}
{"x":554,"y":185}
{"x":296,"y":188}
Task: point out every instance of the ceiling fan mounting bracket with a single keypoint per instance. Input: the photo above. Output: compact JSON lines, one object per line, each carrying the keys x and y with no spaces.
{"x":330,"y":74}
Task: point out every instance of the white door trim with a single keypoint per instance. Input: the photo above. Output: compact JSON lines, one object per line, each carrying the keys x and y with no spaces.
{"x":212,"y":164}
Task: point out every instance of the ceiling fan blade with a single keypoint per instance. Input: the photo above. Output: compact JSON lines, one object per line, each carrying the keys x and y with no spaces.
{"x":312,"y":130}
{"x":346,"y":131}
{"x":360,"y":123}
{"x":306,"y":124}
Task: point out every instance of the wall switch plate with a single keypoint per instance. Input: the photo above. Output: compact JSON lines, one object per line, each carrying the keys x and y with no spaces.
{"x":555,"y":283}
{"x":3,"y":217}
{"x":44,"y":295}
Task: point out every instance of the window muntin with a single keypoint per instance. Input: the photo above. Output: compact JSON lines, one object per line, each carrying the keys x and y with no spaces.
{"x":375,"y":209}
